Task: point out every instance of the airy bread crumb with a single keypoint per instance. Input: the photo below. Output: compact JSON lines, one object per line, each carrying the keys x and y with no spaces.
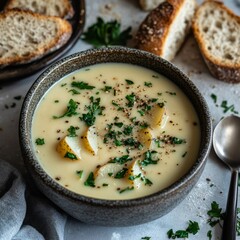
{"x":216,"y":29}
{"x":26,"y":36}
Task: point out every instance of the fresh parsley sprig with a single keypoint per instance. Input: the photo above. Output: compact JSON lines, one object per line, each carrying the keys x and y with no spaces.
{"x":71,"y":110}
{"x":106,"y":34}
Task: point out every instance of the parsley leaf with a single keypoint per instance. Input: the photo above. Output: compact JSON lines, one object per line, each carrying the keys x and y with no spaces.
{"x":40,"y":141}
{"x":90,"y":180}
{"x":79,"y":173}
{"x":121,"y":173}
{"x":121,"y":160}
{"x":126,"y":189}
{"x":72,"y":131}
{"x":106,"y":34}
{"x":129,"y":82}
{"x":94,"y":109}
{"x":131,"y":99}
{"x":148,"y":158}
{"x":82,"y":85}
{"x":71,"y":109}
{"x":70,"y":156}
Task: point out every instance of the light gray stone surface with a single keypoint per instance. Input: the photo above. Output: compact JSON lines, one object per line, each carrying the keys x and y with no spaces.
{"x":198,"y":202}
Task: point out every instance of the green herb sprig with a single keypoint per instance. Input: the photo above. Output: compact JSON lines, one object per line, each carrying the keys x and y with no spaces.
{"x":106,"y":34}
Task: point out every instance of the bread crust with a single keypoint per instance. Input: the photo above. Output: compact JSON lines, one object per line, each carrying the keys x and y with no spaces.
{"x":154,"y":30}
{"x":228,"y":72}
{"x":63,"y":34}
{"x":67,"y":13}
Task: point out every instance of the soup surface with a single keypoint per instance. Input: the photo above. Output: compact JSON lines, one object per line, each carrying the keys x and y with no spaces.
{"x":115,"y":131}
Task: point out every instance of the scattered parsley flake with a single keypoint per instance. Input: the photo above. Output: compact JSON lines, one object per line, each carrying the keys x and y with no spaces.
{"x":71,"y":109}
{"x":126,"y":189}
{"x":148,"y":158}
{"x":121,"y":173}
{"x":129,"y":82}
{"x":82,"y":85}
{"x":71,"y":156}
{"x":40,"y":141}
{"x":148,"y":84}
{"x":72,"y":131}
{"x":90,"y":182}
{"x":121,"y":160}
{"x":131,"y":100}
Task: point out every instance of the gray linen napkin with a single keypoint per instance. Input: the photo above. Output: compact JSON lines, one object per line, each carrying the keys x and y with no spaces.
{"x":25,"y":214}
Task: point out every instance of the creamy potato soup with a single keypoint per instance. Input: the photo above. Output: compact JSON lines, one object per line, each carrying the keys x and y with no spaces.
{"x":115,"y":131}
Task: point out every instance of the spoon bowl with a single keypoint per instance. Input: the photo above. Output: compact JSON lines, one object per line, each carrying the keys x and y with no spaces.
{"x":227,"y":147}
{"x":226,"y":141}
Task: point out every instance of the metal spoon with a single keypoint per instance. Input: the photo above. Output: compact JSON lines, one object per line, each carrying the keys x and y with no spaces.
{"x":226,"y":143}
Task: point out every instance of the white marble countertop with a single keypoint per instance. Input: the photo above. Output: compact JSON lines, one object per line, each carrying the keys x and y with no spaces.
{"x":212,"y":186}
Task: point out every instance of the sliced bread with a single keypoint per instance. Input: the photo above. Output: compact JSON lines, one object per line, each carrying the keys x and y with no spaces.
{"x":217,"y":31}
{"x":164,"y":29}
{"x":58,"y":8}
{"x":26,"y":36}
{"x":148,"y":5}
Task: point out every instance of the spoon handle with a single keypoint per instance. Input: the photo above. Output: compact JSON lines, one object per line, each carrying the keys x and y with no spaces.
{"x":229,"y":225}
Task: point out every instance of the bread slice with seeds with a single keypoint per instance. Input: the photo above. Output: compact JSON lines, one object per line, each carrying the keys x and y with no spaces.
{"x":165,"y":28}
{"x":27,"y":36}
{"x":58,"y":8}
{"x":217,"y":31}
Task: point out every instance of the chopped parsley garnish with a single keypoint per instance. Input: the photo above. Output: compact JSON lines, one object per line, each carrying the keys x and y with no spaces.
{"x":70,"y":156}
{"x":175,"y":140}
{"x":129,"y":82}
{"x":192,"y":228}
{"x":209,"y":234}
{"x":146,"y":181}
{"x":171,"y":93}
{"x":118,"y":124}
{"x":148,"y":158}
{"x":148,"y":84}
{"x":121,"y":173}
{"x":146,"y":238}
{"x":131,"y":142}
{"x":71,"y":110}
{"x":215,"y":214}
{"x":94,"y":109}
{"x":106,"y":34}
{"x":131,"y":177}
{"x":72,"y":131}
{"x":82,"y":85}
{"x":90,"y":182}
{"x":227,"y":108}
{"x":128,"y":130}
{"x":142,"y":113}
{"x":214,"y":98}
{"x":104,"y":184}
{"x":121,"y":160}
{"x":79,"y":173}
{"x":40,"y":141}
{"x":126,"y":189}
{"x":131,"y":99}
{"x":74,"y":91}
{"x":144,"y":125}
{"x":106,"y":88}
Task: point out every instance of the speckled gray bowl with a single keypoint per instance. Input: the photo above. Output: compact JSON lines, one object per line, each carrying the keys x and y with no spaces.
{"x":113,"y":212}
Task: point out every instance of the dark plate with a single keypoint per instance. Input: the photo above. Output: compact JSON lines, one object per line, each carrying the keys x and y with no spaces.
{"x":24,"y":70}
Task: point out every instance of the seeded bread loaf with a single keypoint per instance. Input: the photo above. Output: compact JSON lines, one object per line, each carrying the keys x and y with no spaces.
{"x":217,"y":31}
{"x":164,"y":29}
{"x":58,"y":8}
{"x":148,"y":5}
{"x":27,"y":36}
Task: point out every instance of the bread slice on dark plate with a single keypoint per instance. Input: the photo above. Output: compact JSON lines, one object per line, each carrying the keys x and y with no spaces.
{"x":58,"y":8}
{"x":27,"y":36}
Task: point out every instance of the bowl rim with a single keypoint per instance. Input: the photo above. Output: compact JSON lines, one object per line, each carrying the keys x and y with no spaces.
{"x":32,"y":163}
